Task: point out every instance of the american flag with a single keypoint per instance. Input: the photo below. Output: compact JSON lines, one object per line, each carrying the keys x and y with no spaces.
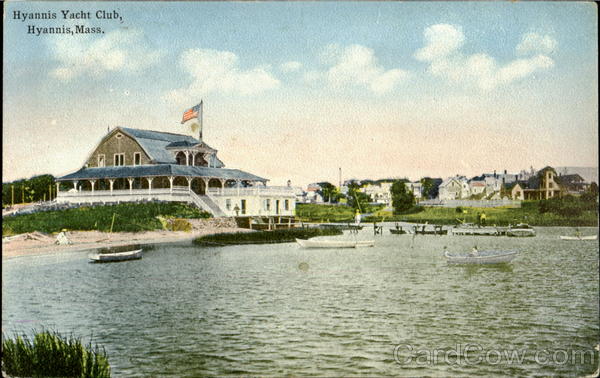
{"x":191,"y":113}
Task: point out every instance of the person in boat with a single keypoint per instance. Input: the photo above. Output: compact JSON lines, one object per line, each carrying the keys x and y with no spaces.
{"x":577,"y":233}
{"x":474,"y":252}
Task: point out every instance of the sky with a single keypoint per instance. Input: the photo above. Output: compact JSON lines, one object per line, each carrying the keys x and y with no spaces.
{"x":295,"y":91}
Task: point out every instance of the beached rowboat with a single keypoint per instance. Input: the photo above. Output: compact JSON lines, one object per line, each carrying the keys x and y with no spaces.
{"x":335,"y":243}
{"x":117,"y":256}
{"x":590,"y":237}
{"x":483,"y":257}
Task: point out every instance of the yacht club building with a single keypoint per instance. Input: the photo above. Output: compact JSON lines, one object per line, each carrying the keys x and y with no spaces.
{"x":142,"y":165}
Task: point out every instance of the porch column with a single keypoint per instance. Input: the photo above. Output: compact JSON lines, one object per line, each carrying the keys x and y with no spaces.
{"x":205,"y":180}
{"x":194,"y":158}
{"x":149,"y":179}
{"x":171,"y":178}
{"x":57,"y":187}
{"x":187,"y":155}
{"x":130,"y":184}
{"x":189,"y":180}
{"x":222,"y":181}
{"x":93,"y":182}
{"x":111,"y":181}
{"x":75,"y":184}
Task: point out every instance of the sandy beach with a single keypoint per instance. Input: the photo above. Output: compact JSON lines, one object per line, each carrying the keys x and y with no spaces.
{"x":90,"y":240}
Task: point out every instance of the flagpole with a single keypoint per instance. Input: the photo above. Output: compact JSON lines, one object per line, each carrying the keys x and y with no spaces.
{"x":201,"y":119}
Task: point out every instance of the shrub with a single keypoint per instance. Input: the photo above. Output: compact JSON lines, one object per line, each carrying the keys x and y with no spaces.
{"x":52,"y":355}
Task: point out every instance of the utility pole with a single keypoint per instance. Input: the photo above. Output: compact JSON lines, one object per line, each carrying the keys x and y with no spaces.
{"x":12,"y":195}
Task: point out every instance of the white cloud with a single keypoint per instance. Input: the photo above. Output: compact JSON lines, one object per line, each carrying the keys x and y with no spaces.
{"x":441,"y":40}
{"x":290,"y":66}
{"x":442,"y":51}
{"x":357,"y":65}
{"x":536,"y":43}
{"x":118,"y":51}
{"x":219,"y":71}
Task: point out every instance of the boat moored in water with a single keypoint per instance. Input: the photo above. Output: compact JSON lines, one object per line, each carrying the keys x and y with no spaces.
{"x":482,"y":257}
{"x":335,"y":243}
{"x":579,"y":237}
{"x":520,"y":230}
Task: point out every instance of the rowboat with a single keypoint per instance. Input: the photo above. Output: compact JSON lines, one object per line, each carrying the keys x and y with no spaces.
{"x":483,"y":257}
{"x":520,"y":230}
{"x":116,"y":256}
{"x":335,"y":243}
{"x":590,"y":237}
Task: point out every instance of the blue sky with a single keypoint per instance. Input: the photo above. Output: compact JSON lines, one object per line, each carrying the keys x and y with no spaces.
{"x":296,"y":90}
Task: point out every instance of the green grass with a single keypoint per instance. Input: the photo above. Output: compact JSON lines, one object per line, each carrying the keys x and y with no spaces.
{"x":309,"y":212}
{"x":500,"y":216}
{"x":129,"y":217}
{"x":265,"y":237}
{"x":52,"y":355}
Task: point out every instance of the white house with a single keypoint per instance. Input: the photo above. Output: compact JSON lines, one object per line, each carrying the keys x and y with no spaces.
{"x":379,"y":193}
{"x":456,"y":187}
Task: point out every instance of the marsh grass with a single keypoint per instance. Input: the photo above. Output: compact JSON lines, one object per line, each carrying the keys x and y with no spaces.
{"x":265,"y":237}
{"x":128,"y":217}
{"x":52,"y":355}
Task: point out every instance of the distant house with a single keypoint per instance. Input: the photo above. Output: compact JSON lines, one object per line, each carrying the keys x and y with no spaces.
{"x":544,"y":185}
{"x":379,"y":193}
{"x":416,"y":188}
{"x":477,"y":187}
{"x":456,"y":187}
{"x":573,"y":184}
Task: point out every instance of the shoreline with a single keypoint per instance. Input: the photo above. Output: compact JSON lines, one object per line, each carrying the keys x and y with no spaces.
{"x":90,"y":240}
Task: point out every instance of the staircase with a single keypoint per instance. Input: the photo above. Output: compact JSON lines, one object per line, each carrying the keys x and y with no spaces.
{"x":206,"y":203}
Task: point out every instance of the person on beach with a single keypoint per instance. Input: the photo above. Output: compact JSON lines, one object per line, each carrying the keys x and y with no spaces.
{"x":357,"y":217}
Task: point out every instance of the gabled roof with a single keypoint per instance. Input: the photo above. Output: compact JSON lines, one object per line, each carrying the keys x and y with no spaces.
{"x":155,"y":144}
{"x":569,"y":179}
{"x":159,"y":170}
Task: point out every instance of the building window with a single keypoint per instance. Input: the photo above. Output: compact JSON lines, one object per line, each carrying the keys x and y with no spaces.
{"x":243,"y":203}
{"x":267,"y":204}
{"x":228,"y":204}
{"x":137,"y":158}
{"x":101,"y":162}
{"x":119,"y":159}
{"x":286,"y":204}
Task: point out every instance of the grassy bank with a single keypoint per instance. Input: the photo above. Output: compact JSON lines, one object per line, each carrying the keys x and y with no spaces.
{"x":128,"y":217}
{"x":52,"y":355}
{"x":265,"y":237}
{"x":501,"y":216}
{"x":309,"y":212}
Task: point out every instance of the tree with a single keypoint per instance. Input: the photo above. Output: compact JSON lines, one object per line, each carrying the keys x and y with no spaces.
{"x":402,"y":199}
{"x":430,"y":187}
{"x":328,"y":191}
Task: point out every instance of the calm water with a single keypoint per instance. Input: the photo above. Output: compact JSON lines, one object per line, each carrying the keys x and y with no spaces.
{"x":396,"y":309}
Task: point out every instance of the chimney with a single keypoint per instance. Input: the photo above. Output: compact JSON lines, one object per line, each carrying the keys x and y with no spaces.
{"x":289,"y":183}
{"x":505,"y":171}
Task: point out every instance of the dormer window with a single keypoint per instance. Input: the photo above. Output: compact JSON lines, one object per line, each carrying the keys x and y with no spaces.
{"x":101,"y":161}
{"x":137,"y":158}
{"x":119,"y":136}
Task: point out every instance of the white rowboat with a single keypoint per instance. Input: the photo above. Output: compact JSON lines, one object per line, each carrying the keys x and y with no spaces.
{"x":590,"y":237}
{"x":118,"y":256}
{"x":334,"y":243}
{"x":520,"y":230}
{"x":483,"y":257}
